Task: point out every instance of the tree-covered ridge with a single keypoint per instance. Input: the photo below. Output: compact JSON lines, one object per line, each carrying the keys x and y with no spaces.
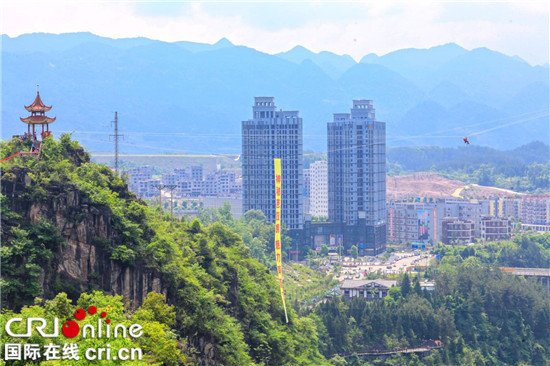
{"x":526,"y":250}
{"x":522,"y":169}
{"x":226,"y":303}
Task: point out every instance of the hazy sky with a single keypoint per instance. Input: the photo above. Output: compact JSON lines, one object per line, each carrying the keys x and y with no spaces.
{"x":356,"y":28}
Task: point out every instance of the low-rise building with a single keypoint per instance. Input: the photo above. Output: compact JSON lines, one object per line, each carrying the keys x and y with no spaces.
{"x":170,"y":179}
{"x":457,"y":231}
{"x":428,"y":286}
{"x":367,"y":289}
{"x":468,"y":210}
{"x":147,"y":188}
{"x":138,"y":180}
{"x":534,"y":227}
{"x":495,"y":228}
{"x":409,"y":222}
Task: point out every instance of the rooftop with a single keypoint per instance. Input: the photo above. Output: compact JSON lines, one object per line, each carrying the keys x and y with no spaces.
{"x":37,"y":105}
{"x":365,"y":283}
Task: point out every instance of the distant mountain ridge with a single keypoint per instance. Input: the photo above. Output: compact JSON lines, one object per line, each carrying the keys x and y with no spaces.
{"x":186,"y":96}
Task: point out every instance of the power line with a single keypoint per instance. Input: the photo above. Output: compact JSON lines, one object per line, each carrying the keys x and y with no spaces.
{"x":526,"y":116}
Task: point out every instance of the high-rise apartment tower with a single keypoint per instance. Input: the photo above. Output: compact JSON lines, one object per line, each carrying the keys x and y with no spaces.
{"x":357,"y":175}
{"x":271,"y":134}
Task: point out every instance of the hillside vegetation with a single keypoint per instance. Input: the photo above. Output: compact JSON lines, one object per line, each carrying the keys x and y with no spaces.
{"x":483,"y":316}
{"x":524,"y":169}
{"x":227,"y":306}
{"x":209,"y":293}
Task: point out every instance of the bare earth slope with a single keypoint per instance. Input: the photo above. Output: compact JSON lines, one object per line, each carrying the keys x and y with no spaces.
{"x":437,"y":186}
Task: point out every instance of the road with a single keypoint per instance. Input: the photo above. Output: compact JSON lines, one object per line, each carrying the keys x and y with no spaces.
{"x":397,"y":262}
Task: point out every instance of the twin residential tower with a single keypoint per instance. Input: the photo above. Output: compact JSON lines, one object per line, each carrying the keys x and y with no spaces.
{"x":268,"y":135}
{"x":356,"y":175}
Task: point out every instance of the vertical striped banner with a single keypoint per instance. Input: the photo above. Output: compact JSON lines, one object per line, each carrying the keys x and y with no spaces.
{"x":278,"y":229}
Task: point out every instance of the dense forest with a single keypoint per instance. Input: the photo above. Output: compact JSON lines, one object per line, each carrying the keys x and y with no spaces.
{"x":525,"y":168}
{"x":219,"y":302}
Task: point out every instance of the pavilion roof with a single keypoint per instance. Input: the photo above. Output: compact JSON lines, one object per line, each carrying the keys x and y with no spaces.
{"x":38,"y":105}
{"x":37,"y":119}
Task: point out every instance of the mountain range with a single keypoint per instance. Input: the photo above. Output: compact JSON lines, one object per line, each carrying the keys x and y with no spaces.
{"x":192,"y":97}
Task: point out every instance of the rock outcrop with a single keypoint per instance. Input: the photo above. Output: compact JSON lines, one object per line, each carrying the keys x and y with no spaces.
{"x":82,"y":263}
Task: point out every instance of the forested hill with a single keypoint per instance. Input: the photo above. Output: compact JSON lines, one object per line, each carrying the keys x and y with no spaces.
{"x":74,"y":236}
{"x":525,"y":168}
{"x":71,"y":227}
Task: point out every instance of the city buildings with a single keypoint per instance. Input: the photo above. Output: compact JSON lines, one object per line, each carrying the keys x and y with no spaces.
{"x":349,"y":188}
{"x":307,"y":186}
{"x":356,"y":172}
{"x":141,"y":182}
{"x":307,"y":183}
{"x":422,"y":222}
{"x":535,"y":210}
{"x":189,"y":182}
{"x":271,"y":134}
{"x":357,"y":166}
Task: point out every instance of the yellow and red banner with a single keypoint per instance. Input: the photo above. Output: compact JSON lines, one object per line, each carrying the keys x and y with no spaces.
{"x":278,"y":229}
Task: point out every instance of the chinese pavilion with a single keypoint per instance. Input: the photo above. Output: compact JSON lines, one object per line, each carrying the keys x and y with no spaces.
{"x":38,"y":117}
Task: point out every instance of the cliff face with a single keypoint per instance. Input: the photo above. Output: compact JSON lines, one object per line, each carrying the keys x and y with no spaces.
{"x":81,"y":263}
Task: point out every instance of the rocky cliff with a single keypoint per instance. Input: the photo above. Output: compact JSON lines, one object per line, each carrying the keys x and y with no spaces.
{"x":82,"y":262}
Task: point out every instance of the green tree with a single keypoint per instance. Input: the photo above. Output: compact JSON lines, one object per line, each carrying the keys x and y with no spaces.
{"x":417,"y":288}
{"x":154,"y":308}
{"x":354,"y":252}
{"x":405,"y":285}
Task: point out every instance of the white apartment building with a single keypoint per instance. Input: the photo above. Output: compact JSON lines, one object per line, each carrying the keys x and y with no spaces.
{"x":318,"y":191}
